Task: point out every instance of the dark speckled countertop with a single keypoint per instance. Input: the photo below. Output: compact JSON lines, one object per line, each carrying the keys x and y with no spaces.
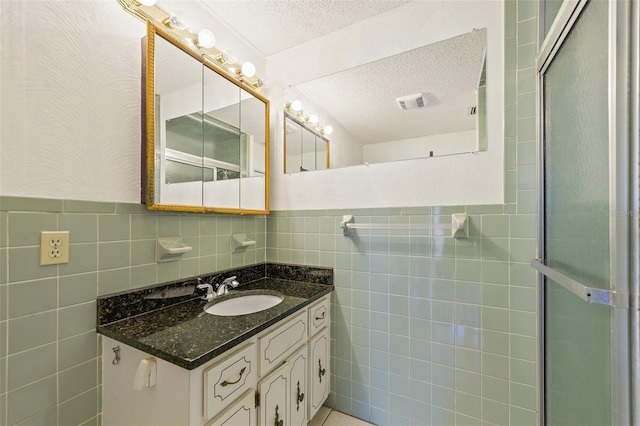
{"x":183,"y":334}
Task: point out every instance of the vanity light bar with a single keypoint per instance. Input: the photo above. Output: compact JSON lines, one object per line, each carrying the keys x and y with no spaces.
{"x":310,"y":122}
{"x":203,"y":42}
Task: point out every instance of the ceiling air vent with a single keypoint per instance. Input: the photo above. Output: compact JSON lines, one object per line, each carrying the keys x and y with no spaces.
{"x":419,"y":100}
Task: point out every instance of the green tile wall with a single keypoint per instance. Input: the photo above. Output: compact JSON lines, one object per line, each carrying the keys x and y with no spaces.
{"x":424,"y":324}
{"x":49,"y":351}
{"x":428,"y":329}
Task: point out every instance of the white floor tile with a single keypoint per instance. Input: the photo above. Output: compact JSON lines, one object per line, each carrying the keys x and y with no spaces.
{"x":320,"y":417}
{"x":337,"y":418}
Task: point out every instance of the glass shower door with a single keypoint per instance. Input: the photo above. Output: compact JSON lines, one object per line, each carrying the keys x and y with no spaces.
{"x":580,"y":306}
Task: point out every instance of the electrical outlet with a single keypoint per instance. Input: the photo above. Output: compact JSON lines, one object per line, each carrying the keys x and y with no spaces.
{"x":54,"y":247}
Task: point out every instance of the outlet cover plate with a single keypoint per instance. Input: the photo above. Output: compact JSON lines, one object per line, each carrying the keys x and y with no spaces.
{"x":54,"y":247}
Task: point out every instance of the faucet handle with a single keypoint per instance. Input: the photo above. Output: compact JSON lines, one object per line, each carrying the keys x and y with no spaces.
{"x":223,"y":287}
{"x":231,"y":281}
{"x":210,"y":294}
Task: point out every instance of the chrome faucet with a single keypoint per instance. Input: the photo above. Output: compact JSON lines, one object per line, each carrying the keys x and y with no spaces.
{"x":223,"y":288}
{"x":210,"y":294}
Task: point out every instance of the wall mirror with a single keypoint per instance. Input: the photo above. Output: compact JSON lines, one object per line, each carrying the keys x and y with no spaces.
{"x":425,"y":102}
{"x":206,"y":135}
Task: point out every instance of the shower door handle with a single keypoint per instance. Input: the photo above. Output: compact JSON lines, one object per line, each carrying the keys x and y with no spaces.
{"x":588,"y":294}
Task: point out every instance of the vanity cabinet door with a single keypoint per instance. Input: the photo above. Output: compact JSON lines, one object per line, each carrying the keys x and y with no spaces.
{"x":297,"y":367}
{"x":242,"y":413}
{"x":229,"y":378}
{"x":274,"y":398}
{"x":319,"y":372}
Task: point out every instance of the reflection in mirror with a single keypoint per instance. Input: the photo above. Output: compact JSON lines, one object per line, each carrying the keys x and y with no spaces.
{"x":253,"y":116}
{"x":178,"y":137}
{"x":305,"y":149}
{"x":425,"y":102}
{"x":222,"y":139}
{"x":207,"y":137}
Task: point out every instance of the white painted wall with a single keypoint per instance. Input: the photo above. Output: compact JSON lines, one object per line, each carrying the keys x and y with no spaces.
{"x":344,"y":149}
{"x":70,"y":110}
{"x":452,"y":180}
{"x":444,"y":144}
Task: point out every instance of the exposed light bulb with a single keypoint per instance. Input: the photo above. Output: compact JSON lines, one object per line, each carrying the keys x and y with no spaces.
{"x":328,"y":130}
{"x":206,"y":39}
{"x":147,"y":2}
{"x":248,"y":69}
{"x":313,"y":119}
{"x":296,"y":105}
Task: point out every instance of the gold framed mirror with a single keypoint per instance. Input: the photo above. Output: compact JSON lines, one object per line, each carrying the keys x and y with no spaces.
{"x":305,"y":149}
{"x":205,"y":134}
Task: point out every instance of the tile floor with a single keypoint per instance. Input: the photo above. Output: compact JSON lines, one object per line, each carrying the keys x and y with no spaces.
{"x":329,"y":417}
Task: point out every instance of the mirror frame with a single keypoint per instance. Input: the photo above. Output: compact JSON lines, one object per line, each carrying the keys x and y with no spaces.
{"x":148,"y":190}
{"x":310,"y":129}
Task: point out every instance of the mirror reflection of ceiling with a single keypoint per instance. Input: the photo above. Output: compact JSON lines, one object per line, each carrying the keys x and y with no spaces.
{"x":179,"y":69}
{"x":275,"y":25}
{"x":448,"y":72}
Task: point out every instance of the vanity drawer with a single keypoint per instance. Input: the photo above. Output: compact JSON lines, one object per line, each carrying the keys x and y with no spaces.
{"x":242,"y":413}
{"x":319,"y":316}
{"x":229,"y":379}
{"x":278,"y":344}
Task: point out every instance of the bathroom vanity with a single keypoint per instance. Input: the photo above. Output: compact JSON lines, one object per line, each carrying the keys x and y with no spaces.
{"x":168,"y":362}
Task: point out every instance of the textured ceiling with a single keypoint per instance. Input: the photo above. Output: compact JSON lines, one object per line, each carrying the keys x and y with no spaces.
{"x":275,"y":25}
{"x":363,"y":99}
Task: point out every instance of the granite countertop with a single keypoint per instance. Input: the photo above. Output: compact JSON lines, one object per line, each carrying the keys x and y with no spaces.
{"x":185,"y":335}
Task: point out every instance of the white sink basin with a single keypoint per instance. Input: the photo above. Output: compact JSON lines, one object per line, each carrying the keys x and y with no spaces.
{"x":243,"y":305}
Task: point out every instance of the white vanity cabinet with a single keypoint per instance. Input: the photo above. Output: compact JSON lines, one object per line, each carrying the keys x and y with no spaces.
{"x":276,"y":371}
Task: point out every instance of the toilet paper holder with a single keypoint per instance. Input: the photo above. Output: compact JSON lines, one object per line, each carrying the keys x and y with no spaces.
{"x":146,"y":374}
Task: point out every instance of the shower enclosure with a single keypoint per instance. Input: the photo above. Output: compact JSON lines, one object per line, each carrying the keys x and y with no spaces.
{"x":588,"y":208}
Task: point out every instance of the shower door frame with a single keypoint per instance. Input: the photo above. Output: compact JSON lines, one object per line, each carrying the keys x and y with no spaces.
{"x":624,"y":235}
